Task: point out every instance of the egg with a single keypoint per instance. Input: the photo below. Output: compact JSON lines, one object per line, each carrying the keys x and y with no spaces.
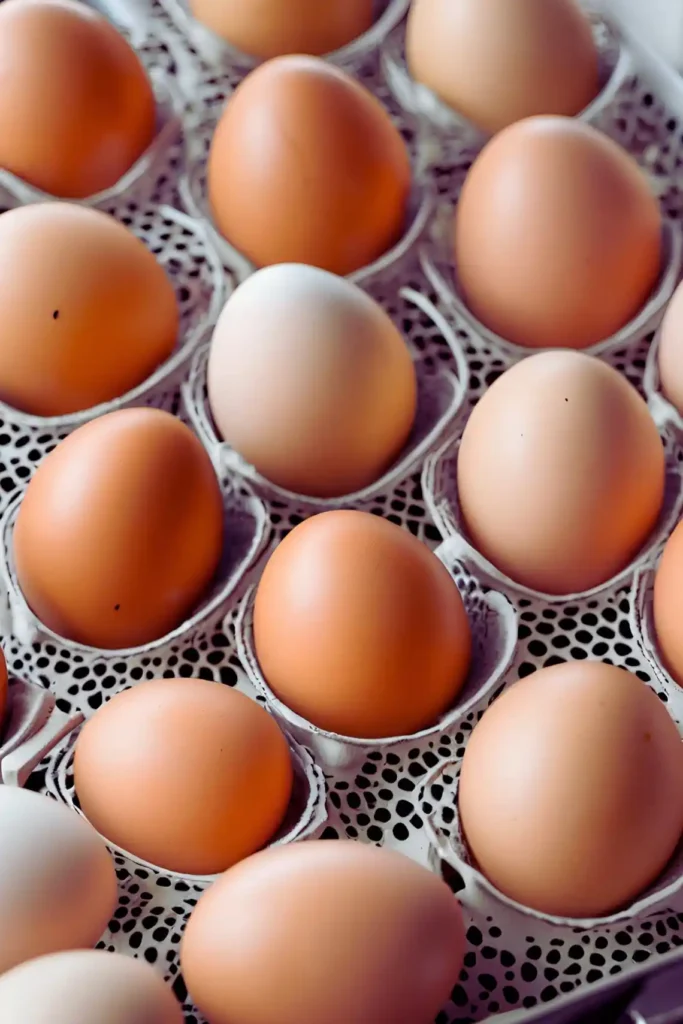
{"x":667,"y":604}
{"x":271,"y":28}
{"x":309,"y":379}
{"x":85,"y":986}
{"x":359,"y":628}
{"x":120,"y":531}
{"x":333,"y":931}
{"x":83,"y":323}
{"x":325,"y":179}
{"x":186,"y":774}
{"x":558,"y":237}
{"x":571,"y":791}
{"x":670,"y":354}
{"x":496,"y":62}
{"x":57,"y":880}
{"x":76,"y":107}
{"x":561,"y":473}
{"x":4,"y":690}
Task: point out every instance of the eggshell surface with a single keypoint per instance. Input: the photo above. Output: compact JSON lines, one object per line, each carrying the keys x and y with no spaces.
{"x":334,"y":931}
{"x":76,"y":107}
{"x":310,"y":381}
{"x":571,"y":791}
{"x":359,"y":628}
{"x":120,"y":530}
{"x":83,"y":322}
{"x":85,"y":986}
{"x":558,"y":238}
{"x":668,"y":604}
{"x":496,"y":62}
{"x":57,"y":880}
{"x":670,"y":355}
{"x":270,"y":28}
{"x":561,"y":473}
{"x":306,"y":166}
{"x":187,"y":774}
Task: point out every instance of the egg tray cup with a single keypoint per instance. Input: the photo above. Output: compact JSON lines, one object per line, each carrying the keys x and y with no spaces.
{"x":306,"y":814}
{"x":246,"y":533}
{"x":448,"y":844}
{"x":493,"y":622}
{"x":439,"y":484}
{"x":32,"y":726}
{"x":641,"y":617}
{"x":440,"y":398}
{"x":183,"y":249}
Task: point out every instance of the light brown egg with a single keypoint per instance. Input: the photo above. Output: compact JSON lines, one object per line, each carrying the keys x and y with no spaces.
{"x":557,"y":235}
{"x":571,"y":792}
{"x":670,"y":355}
{"x":359,"y":628}
{"x":4,"y":689}
{"x":324,"y":180}
{"x":668,"y":604}
{"x":84,"y":986}
{"x":83,"y":322}
{"x":496,"y":62}
{"x":120,"y":531}
{"x":76,"y":107}
{"x":310,"y":381}
{"x":561,"y":473}
{"x":271,"y":28}
{"x":333,"y":931}
{"x":185,"y":773}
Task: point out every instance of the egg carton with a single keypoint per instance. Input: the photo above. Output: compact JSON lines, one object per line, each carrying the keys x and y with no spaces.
{"x":512,"y":963}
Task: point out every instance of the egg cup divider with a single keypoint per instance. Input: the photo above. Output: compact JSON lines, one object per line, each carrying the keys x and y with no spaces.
{"x":436,"y":260}
{"x":493,"y":622}
{"x":218,"y":55}
{"x":641,"y":619}
{"x":32,"y":728}
{"x":460,"y":135}
{"x":440,"y":399}
{"x":662,"y":411}
{"x":306,"y":815}
{"x":127,"y":18}
{"x":140,"y":180}
{"x":167,"y":377}
{"x":247,"y":529}
{"x":439,"y":485}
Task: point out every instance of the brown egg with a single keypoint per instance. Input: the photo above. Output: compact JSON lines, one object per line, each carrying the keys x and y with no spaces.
{"x":670,"y":355}
{"x":571,"y":792}
{"x":333,"y":931}
{"x":496,"y":62}
{"x":561,"y":473}
{"x":324,"y":180}
{"x":310,"y":381}
{"x":185,"y":773}
{"x":83,"y":322}
{"x":4,"y":689}
{"x":120,"y":531}
{"x":668,"y":604}
{"x":76,"y":107}
{"x":270,"y":28}
{"x":359,"y":628}
{"x":557,"y":235}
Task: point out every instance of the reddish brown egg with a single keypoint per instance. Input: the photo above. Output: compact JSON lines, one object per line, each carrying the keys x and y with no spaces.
{"x":120,"y":531}
{"x":307,"y":167}
{"x":76,"y":107}
{"x":668,"y":604}
{"x":83,"y":322}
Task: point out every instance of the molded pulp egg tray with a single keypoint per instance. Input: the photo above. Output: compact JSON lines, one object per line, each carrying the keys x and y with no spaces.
{"x":513,"y":961}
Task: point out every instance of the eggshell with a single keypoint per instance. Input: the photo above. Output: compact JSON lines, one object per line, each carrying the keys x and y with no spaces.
{"x":269,"y":28}
{"x":668,"y":604}
{"x":120,"y":531}
{"x":571,"y":791}
{"x":187,"y":774}
{"x":496,"y":62}
{"x":84,"y":322}
{"x":561,"y":473}
{"x":307,"y":167}
{"x":57,"y":880}
{"x":558,"y":238}
{"x":359,"y":628}
{"x":310,"y":381}
{"x":333,"y":931}
{"x":87,"y":986}
{"x":4,"y":690}
{"x":76,"y":107}
{"x":670,"y":353}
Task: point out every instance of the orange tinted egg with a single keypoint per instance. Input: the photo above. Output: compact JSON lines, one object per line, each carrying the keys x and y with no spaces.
{"x":668,"y":604}
{"x":76,"y":107}
{"x":83,"y":322}
{"x":307,"y":167}
{"x":120,"y":531}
